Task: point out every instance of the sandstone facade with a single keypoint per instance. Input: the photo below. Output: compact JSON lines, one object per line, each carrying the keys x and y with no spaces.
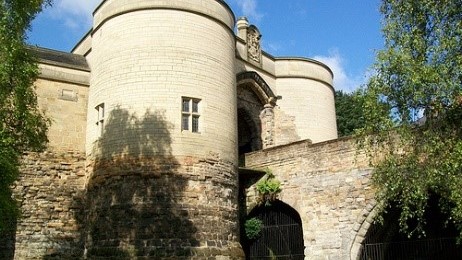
{"x":152,"y":114}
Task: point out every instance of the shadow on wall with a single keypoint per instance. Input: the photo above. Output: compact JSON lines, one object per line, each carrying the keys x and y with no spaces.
{"x":8,"y":236}
{"x":132,"y":205}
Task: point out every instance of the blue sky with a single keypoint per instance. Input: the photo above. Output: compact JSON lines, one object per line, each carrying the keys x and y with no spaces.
{"x":344,"y":34}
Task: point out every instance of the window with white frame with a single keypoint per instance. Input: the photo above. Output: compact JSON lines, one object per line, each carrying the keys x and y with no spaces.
{"x":190,"y":114}
{"x":100,"y":118}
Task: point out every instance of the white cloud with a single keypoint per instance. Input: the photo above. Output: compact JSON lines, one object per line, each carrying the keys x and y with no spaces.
{"x":249,"y":9}
{"x":74,"y":14}
{"x":342,"y":80}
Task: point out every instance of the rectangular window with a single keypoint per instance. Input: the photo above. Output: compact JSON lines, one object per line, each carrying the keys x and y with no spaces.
{"x":186,"y":102}
{"x":185,"y":122}
{"x":195,"y":106}
{"x":190,"y":119}
{"x":195,"y":124}
{"x":100,"y":118}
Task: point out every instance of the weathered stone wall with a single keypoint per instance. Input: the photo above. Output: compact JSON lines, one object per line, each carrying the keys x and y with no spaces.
{"x":143,"y":201}
{"x":65,"y":103}
{"x":48,"y":192}
{"x":146,"y":208}
{"x":329,"y":185}
{"x":162,"y":208}
{"x":285,"y":130}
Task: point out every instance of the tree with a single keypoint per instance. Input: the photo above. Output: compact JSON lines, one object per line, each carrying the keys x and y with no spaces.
{"x":22,"y":126}
{"x":349,"y":111}
{"x":413,"y":110}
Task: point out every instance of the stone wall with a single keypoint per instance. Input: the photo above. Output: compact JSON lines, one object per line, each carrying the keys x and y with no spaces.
{"x":329,"y":185}
{"x":48,"y":193}
{"x":147,"y":55}
{"x":307,"y":94}
{"x":145,"y":208}
{"x":65,"y":103}
{"x":162,"y":208}
{"x":284,"y":127}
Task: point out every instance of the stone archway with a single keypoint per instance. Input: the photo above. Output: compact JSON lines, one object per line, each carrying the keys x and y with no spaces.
{"x":249,"y":130}
{"x":362,"y":225}
{"x":281,"y":235}
{"x":255,"y":102}
{"x":385,"y":241}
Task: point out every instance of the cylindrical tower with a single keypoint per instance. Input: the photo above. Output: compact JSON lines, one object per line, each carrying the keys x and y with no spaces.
{"x":162,"y":131}
{"x":308,"y":95}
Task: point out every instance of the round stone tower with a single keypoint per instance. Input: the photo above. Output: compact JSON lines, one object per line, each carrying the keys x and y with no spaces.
{"x":161,"y":133}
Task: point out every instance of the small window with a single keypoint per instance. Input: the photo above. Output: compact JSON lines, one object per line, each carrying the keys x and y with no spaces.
{"x":186,"y":102}
{"x":195,"y":106}
{"x":190,"y":119}
{"x":100,"y":118}
{"x":185,"y":122}
{"x":195,"y":124}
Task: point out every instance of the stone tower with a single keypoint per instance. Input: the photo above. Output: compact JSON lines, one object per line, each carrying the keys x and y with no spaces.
{"x":150,"y":112}
{"x":161,"y":131}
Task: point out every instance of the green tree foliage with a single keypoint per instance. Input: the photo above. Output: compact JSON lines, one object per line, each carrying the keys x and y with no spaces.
{"x":413,"y":110}
{"x":22,"y":126}
{"x":349,"y":111}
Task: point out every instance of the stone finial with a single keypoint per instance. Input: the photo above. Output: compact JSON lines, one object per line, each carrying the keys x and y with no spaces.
{"x":242,"y":24}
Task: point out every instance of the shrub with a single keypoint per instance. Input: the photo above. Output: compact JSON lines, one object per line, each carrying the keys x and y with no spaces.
{"x":253,"y":228}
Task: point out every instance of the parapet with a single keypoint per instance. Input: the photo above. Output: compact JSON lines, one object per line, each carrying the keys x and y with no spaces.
{"x":214,"y":9}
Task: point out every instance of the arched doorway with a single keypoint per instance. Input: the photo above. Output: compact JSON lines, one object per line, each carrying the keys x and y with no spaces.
{"x":255,"y":102}
{"x":281,"y":236}
{"x":385,"y":241}
{"x":249,"y":132}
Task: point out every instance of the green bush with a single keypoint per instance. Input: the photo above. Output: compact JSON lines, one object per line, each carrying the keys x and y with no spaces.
{"x":253,"y":228}
{"x":268,"y":189}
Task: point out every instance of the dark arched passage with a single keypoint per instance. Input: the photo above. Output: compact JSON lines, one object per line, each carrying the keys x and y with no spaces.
{"x":385,"y":241}
{"x":281,"y":236}
{"x":249,"y":132}
{"x":255,"y":103}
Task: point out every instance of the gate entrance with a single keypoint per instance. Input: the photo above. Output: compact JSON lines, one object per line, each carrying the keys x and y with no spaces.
{"x":281,"y":235}
{"x":384,"y":241}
